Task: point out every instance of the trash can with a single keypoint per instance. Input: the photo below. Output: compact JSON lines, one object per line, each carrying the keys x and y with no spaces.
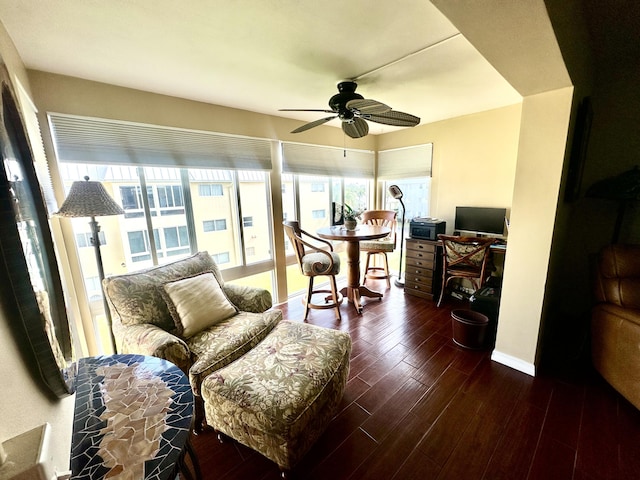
{"x":487,"y":301}
{"x":469,"y":328}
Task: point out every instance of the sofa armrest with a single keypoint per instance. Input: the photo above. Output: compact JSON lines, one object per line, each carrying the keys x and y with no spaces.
{"x":147,"y":339}
{"x":248,"y":299}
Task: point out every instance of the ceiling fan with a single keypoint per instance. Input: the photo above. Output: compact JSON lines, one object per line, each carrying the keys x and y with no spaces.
{"x":353,"y":109}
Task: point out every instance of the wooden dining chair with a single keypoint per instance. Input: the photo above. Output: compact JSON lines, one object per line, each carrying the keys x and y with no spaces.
{"x":315,"y":258}
{"x":379,"y":248}
{"x":465,"y":257}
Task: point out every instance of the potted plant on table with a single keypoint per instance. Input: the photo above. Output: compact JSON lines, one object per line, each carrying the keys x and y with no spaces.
{"x":350,"y":217}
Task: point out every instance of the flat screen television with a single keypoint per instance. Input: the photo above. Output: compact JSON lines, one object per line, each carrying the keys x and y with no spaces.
{"x":481,"y":220}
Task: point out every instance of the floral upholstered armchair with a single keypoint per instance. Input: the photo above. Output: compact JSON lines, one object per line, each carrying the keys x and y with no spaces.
{"x":184,"y":312}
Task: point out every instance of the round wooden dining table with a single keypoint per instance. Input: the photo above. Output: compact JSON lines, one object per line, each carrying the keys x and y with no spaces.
{"x":353,"y":291}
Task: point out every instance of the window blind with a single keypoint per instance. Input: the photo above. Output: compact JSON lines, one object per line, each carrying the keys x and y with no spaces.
{"x":102,"y":141}
{"x":308,"y":159}
{"x":405,"y":162}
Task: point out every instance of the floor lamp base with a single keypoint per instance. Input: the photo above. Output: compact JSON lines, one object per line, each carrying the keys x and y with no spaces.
{"x":399,"y":282}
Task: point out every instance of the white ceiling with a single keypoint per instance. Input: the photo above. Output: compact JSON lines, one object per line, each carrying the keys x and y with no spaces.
{"x":263,"y":55}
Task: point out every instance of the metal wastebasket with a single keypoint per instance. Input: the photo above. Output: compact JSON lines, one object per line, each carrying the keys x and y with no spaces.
{"x":469,"y":328}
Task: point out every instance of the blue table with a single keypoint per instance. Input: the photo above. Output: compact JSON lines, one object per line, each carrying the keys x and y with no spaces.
{"x":133,"y":416}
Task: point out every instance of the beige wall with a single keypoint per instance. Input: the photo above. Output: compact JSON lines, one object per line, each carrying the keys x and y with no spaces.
{"x":24,"y":403}
{"x":474,"y":159}
{"x":545,"y":121}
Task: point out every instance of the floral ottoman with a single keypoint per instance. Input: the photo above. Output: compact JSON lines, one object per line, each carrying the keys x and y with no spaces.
{"x":279,"y":397}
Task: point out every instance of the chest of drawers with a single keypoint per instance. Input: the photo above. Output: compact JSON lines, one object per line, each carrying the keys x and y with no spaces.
{"x":423,"y":268}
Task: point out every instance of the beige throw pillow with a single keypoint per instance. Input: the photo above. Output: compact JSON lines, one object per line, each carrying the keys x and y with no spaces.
{"x":196,"y":303}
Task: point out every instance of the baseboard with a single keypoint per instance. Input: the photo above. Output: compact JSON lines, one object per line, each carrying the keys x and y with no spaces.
{"x":513,"y":362}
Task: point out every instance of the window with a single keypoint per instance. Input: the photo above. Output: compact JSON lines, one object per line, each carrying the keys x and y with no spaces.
{"x":170,"y":196}
{"x":221,"y":190}
{"x":214,"y":225}
{"x":84,"y":239}
{"x":139,"y":246}
{"x":94,"y":289}
{"x":416,"y":193}
{"x":317,"y":187}
{"x":313,"y":208}
{"x":221,"y":258}
{"x":132,"y":204}
{"x":210,"y":190}
{"x":176,"y":237}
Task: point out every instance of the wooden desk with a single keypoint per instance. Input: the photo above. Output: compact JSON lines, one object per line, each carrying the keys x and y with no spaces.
{"x":353,"y":291}
{"x":132,"y":419}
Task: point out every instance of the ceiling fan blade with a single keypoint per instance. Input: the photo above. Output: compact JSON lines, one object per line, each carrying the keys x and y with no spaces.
{"x":315,"y":123}
{"x":394,"y":118}
{"x":304,"y":110}
{"x":366,"y":105}
{"x":358,"y":128}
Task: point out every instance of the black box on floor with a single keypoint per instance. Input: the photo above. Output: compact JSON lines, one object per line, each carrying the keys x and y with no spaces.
{"x":486,"y":300}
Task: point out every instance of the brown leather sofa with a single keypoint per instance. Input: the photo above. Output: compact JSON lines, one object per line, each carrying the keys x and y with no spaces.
{"x":615,"y":319}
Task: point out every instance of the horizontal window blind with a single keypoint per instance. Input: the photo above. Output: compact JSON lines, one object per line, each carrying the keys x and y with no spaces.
{"x":330,"y":161}
{"x":96,"y":140}
{"x":405,"y":162}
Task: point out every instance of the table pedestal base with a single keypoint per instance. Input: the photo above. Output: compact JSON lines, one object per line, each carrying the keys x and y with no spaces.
{"x":353,"y":291}
{"x":353,"y":294}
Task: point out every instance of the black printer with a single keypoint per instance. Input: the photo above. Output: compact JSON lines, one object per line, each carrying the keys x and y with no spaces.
{"x":426,"y":228}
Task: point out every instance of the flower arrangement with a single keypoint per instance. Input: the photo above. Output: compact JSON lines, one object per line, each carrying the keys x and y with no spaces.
{"x":349,"y":213}
{"x":350,"y":217}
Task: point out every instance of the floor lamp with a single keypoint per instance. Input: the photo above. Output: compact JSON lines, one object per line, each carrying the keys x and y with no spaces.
{"x":90,"y":199}
{"x":396,"y":193}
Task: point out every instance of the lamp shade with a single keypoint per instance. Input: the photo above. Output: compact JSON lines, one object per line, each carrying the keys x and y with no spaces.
{"x":395,"y":192}
{"x":88,"y":199}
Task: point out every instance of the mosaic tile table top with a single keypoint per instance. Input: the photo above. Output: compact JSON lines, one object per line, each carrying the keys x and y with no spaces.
{"x":132,"y":418}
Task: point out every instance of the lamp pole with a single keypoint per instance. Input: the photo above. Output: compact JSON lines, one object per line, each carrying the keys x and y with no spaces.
{"x":95,"y":239}
{"x":399,"y":282}
{"x":396,"y":193}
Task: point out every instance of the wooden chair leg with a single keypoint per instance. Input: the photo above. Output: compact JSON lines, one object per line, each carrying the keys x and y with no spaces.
{"x":334,"y":291}
{"x":386,"y":269}
{"x":442,"y":289}
{"x":308,"y":299}
{"x":366,"y":268}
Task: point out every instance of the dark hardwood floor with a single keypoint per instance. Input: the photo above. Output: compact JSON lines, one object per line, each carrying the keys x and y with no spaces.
{"x":419,"y":407}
